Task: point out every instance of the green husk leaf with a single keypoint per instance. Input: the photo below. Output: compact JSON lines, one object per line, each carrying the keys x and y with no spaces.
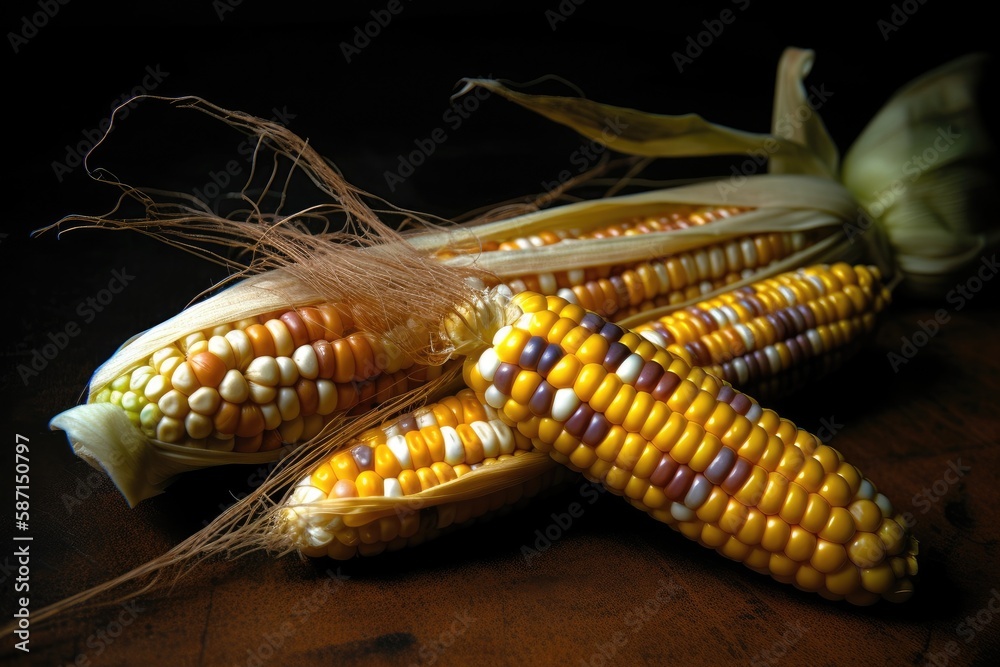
{"x":921,"y":168}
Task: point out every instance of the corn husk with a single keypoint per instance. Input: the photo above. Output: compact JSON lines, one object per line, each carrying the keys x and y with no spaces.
{"x":792,"y":203}
{"x":931,"y":227}
{"x":922,"y":168}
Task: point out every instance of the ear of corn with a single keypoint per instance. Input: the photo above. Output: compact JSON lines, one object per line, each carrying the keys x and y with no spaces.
{"x":264,"y":381}
{"x":413,"y":479}
{"x":693,"y":452}
{"x":654,"y":252}
{"x":233,"y":379}
{"x":777,"y":331}
{"x":818,"y":311}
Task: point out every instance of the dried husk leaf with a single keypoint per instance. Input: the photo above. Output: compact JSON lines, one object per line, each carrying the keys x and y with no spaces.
{"x":933,"y":225}
{"x":795,"y":119}
{"x":651,"y":135}
{"x":475,"y":484}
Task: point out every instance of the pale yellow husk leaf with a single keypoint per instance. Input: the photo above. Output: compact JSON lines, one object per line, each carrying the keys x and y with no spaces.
{"x":932,"y":218}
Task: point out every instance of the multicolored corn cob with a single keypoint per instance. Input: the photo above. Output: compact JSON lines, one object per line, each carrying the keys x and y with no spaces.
{"x":255,"y":384}
{"x":693,"y":452}
{"x":765,"y":334}
{"x":409,"y":455}
{"x":620,"y":290}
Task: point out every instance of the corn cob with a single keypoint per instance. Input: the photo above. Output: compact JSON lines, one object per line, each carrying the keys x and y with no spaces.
{"x":693,"y":452}
{"x":670,"y":219}
{"x":771,"y":329}
{"x":621,"y":290}
{"x":411,"y":454}
{"x":784,"y":304}
{"x":255,"y":384}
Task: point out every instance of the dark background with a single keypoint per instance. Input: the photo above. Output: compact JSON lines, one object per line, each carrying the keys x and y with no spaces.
{"x":261,"y":57}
